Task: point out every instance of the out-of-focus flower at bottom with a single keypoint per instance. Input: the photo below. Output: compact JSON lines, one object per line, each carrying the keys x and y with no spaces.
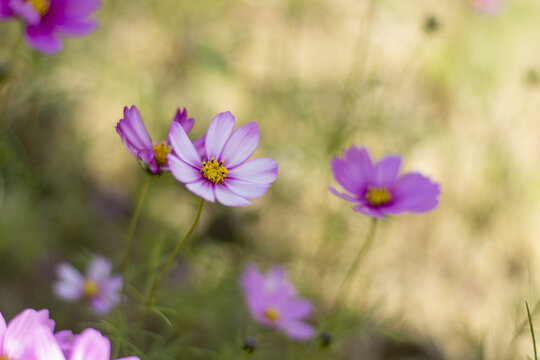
{"x":486,"y":7}
{"x":273,"y":302}
{"x":98,"y":285}
{"x":29,"y":336}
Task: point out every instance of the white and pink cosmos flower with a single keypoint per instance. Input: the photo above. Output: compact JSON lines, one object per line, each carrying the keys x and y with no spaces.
{"x":29,"y":336}
{"x":223,"y":172}
{"x":98,"y":285}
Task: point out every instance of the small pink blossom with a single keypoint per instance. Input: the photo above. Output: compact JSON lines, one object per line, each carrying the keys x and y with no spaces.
{"x":273,"y":302}
{"x":98,"y":285}
{"x":136,"y":139}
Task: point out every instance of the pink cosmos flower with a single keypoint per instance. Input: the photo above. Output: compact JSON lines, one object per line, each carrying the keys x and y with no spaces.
{"x":486,"y":7}
{"x":29,"y":336}
{"x":273,"y":302}
{"x":89,"y":345}
{"x":26,"y":335}
{"x":223,"y":172}
{"x":98,"y":285}
{"x":136,"y":139}
{"x":46,"y":20}
{"x":376,"y":189}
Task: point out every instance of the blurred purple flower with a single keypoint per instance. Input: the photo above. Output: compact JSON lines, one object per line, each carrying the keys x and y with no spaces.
{"x":486,"y":7}
{"x":46,"y":20}
{"x":89,"y":345}
{"x":223,"y":172}
{"x":376,"y":189}
{"x":273,"y":302}
{"x":136,"y":139}
{"x":98,"y":285}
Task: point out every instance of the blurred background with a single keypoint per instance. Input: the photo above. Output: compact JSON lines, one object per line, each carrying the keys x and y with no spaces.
{"x":452,"y":89}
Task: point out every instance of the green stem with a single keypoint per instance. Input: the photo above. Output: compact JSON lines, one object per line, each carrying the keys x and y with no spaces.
{"x":532,"y":330}
{"x":159,"y":278}
{"x":131,"y":232}
{"x":369,"y":239}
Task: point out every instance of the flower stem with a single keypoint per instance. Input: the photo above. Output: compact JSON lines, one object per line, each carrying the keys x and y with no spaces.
{"x":367,"y":242}
{"x":131,"y":232}
{"x":165,"y":269}
{"x":532,"y":331}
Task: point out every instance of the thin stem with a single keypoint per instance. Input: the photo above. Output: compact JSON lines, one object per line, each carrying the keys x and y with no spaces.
{"x":532,"y":330}
{"x":369,"y":239}
{"x":131,"y":232}
{"x":159,"y":278}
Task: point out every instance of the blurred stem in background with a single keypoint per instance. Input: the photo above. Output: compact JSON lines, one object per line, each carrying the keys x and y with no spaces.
{"x":129,"y":241}
{"x":159,"y":278}
{"x":532,"y":330}
{"x":343,"y":288}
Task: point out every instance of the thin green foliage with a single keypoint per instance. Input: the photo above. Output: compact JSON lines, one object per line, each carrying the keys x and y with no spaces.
{"x":532,"y":330}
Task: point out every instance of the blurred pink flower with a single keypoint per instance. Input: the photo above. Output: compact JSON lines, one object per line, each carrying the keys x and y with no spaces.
{"x":46,"y":20}
{"x":377,"y":189}
{"x":98,"y":285}
{"x":136,"y":139}
{"x":486,"y":7}
{"x":224,"y":172}
{"x":273,"y":302}
{"x":29,"y":336}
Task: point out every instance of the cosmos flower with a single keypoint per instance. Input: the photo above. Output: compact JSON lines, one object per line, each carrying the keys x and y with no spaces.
{"x":273,"y":302}
{"x":486,"y":7}
{"x":376,"y":189}
{"x":136,"y":139}
{"x":29,"y":336}
{"x":46,"y":20}
{"x":98,"y":285}
{"x":223,"y":173}
{"x":26,"y":335}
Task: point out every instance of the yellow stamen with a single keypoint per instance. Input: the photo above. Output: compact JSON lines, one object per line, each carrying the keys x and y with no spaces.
{"x":2,"y":357}
{"x":378,"y":196}
{"x":90,"y":288}
{"x":271,"y":314}
{"x":214,"y":171}
{"x":160,"y":153}
{"x":41,"y":6}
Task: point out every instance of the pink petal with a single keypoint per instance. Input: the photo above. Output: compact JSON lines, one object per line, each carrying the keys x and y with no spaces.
{"x":182,"y":171}
{"x":298,"y":330}
{"x":387,"y":170}
{"x":246,"y":189}
{"x":16,"y":337}
{"x":70,"y":282}
{"x":2,"y":332}
{"x":241,"y":145}
{"x":343,"y":196}
{"x":77,"y":27}
{"x":225,"y":196}
{"x":91,"y":345}
{"x":47,"y":43}
{"x":296,"y":309}
{"x":218,"y":133}
{"x":368,"y":210}
{"x":415,"y":193}
{"x":203,"y":189}
{"x":99,"y":269}
{"x":259,"y":171}
{"x":355,"y":171}
{"x":183,"y":147}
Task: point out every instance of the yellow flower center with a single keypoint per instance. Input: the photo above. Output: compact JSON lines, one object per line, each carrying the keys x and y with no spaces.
{"x":378,"y":196}
{"x":271,"y":314}
{"x":3,"y":357}
{"x":160,"y":153}
{"x":214,"y":171}
{"x":41,"y":6}
{"x":90,"y":288}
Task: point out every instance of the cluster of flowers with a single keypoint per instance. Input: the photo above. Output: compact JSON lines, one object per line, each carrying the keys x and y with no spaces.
{"x":30,"y":336}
